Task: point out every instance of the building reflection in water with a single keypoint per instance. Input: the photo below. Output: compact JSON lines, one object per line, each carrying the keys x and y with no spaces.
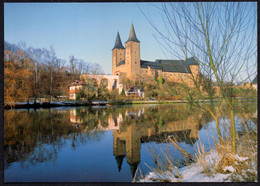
{"x":75,"y":119}
{"x":129,"y":132}
{"x":127,"y":140}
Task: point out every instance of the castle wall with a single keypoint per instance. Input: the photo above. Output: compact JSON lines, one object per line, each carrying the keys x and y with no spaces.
{"x":121,"y":69}
{"x":117,"y":56}
{"x":147,"y":72}
{"x":173,"y":76}
{"x":195,"y":71}
{"x":184,"y":78}
{"x":168,"y":76}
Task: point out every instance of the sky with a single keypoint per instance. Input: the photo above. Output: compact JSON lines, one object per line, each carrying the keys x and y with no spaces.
{"x":85,"y":30}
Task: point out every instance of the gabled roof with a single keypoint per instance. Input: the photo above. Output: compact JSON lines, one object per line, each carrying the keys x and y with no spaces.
{"x":176,"y":68}
{"x":181,"y":66}
{"x":170,"y":65}
{"x":118,"y":43}
{"x":132,"y":35}
{"x":191,"y":61}
{"x":152,"y":65}
{"x":77,"y":82}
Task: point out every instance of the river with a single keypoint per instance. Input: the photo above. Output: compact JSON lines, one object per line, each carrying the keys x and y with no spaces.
{"x":101,"y":144}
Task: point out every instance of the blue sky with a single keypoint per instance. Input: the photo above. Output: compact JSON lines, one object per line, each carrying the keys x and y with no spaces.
{"x":85,"y":30}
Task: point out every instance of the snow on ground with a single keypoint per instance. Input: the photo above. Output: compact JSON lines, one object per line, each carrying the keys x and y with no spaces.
{"x":236,"y":157}
{"x":23,"y":103}
{"x":57,"y":103}
{"x":195,"y":171}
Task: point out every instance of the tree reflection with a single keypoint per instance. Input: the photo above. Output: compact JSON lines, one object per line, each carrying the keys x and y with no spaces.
{"x":33,"y":137}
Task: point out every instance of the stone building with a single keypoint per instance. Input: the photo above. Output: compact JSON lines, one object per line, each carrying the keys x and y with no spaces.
{"x":126,"y":62}
{"x":75,"y":88}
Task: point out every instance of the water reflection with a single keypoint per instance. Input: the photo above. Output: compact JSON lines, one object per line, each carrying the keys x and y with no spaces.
{"x":128,"y":136}
{"x":32,"y":137}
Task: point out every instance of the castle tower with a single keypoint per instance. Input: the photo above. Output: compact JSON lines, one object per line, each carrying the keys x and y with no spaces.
{"x":118,"y":53}
{"x":132,"y":55}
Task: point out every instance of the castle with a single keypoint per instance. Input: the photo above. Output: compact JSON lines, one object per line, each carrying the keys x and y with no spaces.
{"x":126,"y":62}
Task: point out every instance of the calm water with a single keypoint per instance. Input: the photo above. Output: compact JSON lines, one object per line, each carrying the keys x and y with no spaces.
{"x":102,"y":144}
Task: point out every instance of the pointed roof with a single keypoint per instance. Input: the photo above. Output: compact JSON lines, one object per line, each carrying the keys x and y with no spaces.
{"x":132,"y":35}
{"x":119,"y":161}
{"x":118,"y":43}
{"x":133,"y":167}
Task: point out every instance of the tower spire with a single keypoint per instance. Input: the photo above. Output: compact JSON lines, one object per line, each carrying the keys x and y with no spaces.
{"x":118,"y":43}
{"x":132,"y":35}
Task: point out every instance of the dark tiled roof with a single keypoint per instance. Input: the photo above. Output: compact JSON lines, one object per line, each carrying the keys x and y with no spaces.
{"x":121,"y":63}
{"x":176,"y":68}
{"x":169,"y":62}
{"x":167,"y":65}
{"x":77,"y":82}
{"x":152,"y":65}
{"x":191,"y":61}
{"x":118,"y":43}
{"x":132,"y":35}
{"x":170,"y":65}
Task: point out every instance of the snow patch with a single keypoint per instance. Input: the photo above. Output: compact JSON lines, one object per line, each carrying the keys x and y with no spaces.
{"x":57,"y":103}
{"x":212,"y":157}
{"x":229,"y":168}
{"x":241,"y":159}
{"x":191,"y":173}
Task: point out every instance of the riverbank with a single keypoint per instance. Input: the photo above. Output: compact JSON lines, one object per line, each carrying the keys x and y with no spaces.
{"x":18,"y":105}
{"x":218,"y":164}
{"x":208,"y":169}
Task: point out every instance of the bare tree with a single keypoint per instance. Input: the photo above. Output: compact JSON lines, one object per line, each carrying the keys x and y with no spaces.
{"x":83,"y":67}
{"x":96,"y":69}
{"x":36,"y":56}
{"x":73,"y":63}
{"x":50,"y":62}
{"x":221,"y":37}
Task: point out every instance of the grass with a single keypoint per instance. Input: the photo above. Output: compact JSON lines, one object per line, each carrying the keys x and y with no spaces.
{"x":166,"y":163}
{"x":241,"y":167}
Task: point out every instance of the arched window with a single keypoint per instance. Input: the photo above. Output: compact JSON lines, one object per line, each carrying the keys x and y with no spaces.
{"x":114,"y":84}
